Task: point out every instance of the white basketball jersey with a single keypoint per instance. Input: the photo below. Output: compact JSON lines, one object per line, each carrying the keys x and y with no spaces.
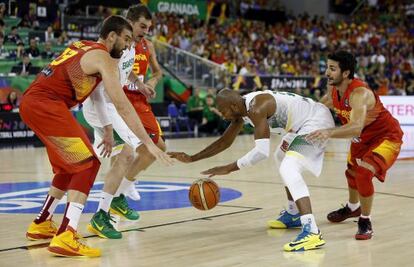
{"x":125,"y":66}
{"x":292,"y":110}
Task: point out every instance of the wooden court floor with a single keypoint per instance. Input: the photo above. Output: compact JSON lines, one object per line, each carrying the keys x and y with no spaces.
{"x":234,"y":233}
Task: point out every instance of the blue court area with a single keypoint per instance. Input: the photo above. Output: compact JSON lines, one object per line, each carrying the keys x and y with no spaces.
{"x":29,"y":197}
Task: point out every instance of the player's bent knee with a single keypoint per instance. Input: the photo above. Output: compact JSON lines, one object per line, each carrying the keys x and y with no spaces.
{"x":144,"y":154}
{"x":61,"y":181}
{"x":364,"y":182}
{"x":291,"y":172}
{"x":126,"y":156}
{"x":83,"y":181}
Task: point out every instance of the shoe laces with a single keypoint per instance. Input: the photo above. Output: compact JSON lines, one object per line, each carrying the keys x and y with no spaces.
{"x":52,"y":224}
{"x":282,"y":212}
{"x":107,"y":219}
{"x":344,"y":210}
{"x":123,"y":203}
{"x":78,"y":239}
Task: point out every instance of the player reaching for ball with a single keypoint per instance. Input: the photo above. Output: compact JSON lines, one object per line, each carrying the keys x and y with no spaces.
{"x":268,"y":112}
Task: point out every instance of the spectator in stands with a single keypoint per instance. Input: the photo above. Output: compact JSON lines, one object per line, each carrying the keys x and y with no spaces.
{"x":63,"y":39}
{"x":18,"y":53}
{"x":211,"y":116}
{"x":3,"y":52}
{"x":33,"y":51}
{"x":398,"y":83}
{"x":13,"y":36}
{"x":23,"y":68}
{"x":195,"y":106}
{"x":230,"y":65}
{"x":47,"y":53}
{"x":217,"y":55}
{"x":25,"y":22}
{"x":49,"y":34}
{"x":383,"y":85}
{"x":13,"y":100}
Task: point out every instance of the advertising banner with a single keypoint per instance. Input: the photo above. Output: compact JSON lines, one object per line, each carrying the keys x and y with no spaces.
{"x":402,"y":108}
{"x":12,"y":128}
{"x":279,"y":82}
{"x":181,"y":7}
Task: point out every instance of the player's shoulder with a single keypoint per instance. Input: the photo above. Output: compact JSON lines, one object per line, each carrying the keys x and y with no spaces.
{"x":261,"y":102}
{"x":362,"y":95}
{"x":97,"y":54}
{"x":362,"y":91}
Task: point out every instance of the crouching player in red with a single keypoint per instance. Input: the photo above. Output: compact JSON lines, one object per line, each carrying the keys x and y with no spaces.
{"x":376,"y":143}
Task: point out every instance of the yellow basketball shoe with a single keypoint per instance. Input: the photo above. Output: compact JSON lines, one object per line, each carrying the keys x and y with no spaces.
{"x":285,"y":220}
{"x":306,"y":240}
{"x":67,"y":244}
{"x":44,"y":230}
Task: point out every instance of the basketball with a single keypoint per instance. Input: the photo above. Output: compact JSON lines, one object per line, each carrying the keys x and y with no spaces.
{"x":204,"y":194}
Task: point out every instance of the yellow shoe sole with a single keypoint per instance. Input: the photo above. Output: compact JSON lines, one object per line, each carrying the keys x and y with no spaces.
{"x":94,"y":231}
{"x":276,"y":225}
{"x":304,"y":246}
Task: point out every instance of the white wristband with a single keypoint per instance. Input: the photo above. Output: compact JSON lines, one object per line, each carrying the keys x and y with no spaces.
{"x":260,"y":152}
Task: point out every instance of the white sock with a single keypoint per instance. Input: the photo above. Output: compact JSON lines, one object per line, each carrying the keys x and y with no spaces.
{"x":73,"y":214}
{"x":309,"y":219}
{"x":52,"y":208}
{"x":105,"y":201}
{"x":292,"y":208}
{"x":365,"y":217}
{"x":125,"y":184}
{"x":353,"y":206}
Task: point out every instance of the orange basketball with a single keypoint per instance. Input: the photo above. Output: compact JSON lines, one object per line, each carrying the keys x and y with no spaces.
{"x":204,"y":194}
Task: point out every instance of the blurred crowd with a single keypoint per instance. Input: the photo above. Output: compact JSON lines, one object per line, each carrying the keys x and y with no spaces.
{"x":381,"y":36}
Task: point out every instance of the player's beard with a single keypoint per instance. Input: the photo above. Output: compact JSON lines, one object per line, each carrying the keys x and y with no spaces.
{"x":116,"y":51}
{"x":337,"y":81}
{"x":139,"y":38}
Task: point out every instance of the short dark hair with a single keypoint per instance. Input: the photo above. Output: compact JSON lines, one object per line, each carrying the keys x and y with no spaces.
{"x":346,"y":61}
{"x":137,"y":11}
{"x":114,"y":24}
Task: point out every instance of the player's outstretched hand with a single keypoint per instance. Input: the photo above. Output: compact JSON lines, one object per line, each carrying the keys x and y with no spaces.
{"x":150,"y":91}
{"x":107,"y":143}
{"x":160,"y":155}
{"x":220,"y":170}
{"x":181,"y":156}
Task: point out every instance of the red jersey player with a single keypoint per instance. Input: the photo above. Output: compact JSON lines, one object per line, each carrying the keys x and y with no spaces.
{"x":144,"y":57}
{"x":376,"y":143}
{"x":65,"y":82}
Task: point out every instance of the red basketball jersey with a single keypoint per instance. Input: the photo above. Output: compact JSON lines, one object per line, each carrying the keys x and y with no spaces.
{"x":379,"y":122}
{"x":142,"y":56}
{"x":64,"y":79}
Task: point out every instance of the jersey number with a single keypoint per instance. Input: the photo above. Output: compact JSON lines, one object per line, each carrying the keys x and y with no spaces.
{"x":68,"y":53}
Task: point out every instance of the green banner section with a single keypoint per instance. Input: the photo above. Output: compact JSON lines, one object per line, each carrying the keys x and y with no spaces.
{"x":182,"y":7}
